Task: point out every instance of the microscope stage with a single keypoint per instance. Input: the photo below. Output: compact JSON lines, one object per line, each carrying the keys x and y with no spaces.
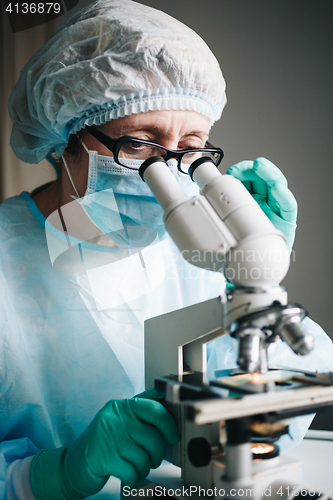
{"x":228,"y":394}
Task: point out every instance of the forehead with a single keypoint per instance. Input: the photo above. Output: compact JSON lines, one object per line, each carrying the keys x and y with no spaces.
{"x":180,"y":122}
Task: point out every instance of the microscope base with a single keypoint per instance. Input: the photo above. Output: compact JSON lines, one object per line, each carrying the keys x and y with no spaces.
{"x":277,"y":478}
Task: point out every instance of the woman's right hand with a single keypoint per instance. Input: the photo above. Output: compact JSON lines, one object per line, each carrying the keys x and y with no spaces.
{"x":126,"y":439}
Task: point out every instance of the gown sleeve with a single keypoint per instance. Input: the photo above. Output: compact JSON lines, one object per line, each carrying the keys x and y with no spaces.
{"x":15,"y":460}
{"x":15,"y":452}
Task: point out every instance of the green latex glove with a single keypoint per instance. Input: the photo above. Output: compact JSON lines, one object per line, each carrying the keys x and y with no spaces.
{"x":269,"y":188}
{"x":153,"y":394}
{"x":126,"y":439}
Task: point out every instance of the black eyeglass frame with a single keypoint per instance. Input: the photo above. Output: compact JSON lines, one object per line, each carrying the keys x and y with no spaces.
{"x":114,"y":146}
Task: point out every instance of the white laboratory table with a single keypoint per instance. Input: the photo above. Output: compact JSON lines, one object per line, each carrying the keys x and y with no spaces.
{"x":315,"y":452}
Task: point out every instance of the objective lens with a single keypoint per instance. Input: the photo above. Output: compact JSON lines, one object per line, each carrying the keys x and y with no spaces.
{"x":297,"y":336}
{"x":249,"y":358}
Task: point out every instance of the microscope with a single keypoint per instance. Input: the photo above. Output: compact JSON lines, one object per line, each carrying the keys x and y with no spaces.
{"x":230,"y":420}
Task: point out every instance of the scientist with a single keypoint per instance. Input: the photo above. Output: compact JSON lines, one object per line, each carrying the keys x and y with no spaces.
{"x":85,"y":260}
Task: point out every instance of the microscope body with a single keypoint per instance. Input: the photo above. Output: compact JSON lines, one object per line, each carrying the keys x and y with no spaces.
{"x":223,"y":229}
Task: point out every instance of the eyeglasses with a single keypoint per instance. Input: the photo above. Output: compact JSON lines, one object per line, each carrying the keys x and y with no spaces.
{"x":131,"y":152}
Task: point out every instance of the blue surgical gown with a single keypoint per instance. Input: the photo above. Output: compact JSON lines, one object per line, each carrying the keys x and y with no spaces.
{"x":64,"y":352}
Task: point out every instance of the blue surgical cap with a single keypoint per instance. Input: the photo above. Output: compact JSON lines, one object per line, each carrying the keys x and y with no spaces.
{"x":112,"y":59}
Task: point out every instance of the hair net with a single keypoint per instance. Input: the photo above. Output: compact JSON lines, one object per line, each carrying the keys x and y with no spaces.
{"x":112,"y":59}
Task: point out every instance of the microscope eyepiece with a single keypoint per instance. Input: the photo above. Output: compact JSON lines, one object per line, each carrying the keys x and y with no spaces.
{"x":146,"y":164}
{"x":197,"y":163}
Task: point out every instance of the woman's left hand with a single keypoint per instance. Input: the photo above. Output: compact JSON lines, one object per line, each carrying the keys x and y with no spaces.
{"x":269,"y":188}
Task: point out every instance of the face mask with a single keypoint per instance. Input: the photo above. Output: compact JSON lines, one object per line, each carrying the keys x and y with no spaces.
{"x":120,"y":204}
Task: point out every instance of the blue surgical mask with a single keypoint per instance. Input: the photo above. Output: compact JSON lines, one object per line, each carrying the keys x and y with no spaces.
{"x":122,"y":205}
